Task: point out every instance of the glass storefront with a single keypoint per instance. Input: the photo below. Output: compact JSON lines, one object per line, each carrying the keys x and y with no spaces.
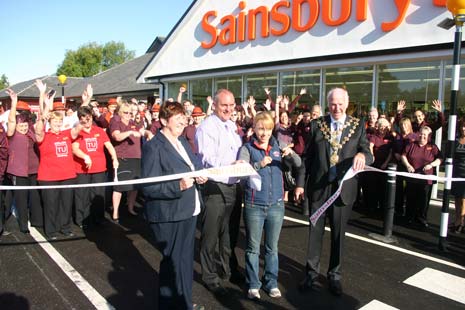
{"x":233,"y":83}
{"x":256,"y":85}
{"x":200,"y":90}
{"x":292,"y":83}
{"x":358,"y":81}
{"x":173,"y":91}
{"x":418,"y":83}
{"x":447,"y":85}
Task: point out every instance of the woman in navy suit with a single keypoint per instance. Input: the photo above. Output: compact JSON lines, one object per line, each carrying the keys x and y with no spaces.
{"x":172,"y":207}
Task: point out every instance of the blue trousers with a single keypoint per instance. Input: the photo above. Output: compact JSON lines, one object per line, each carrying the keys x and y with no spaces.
{"x":259,"y":218}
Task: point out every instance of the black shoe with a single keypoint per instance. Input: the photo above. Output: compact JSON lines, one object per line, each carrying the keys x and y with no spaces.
{"x":25,"y":231}
{"x":310,"y":285}
{"x":216,"y":289}
{"x":51,"y":237}
{"x":335,"y":287}
{"x":237,"y":278}
{"x":67,"y":233}
{"x":422,"y":224}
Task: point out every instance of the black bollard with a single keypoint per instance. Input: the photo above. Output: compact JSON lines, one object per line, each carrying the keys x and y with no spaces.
{"x":389,"y":208}
{"x":390,"y":201}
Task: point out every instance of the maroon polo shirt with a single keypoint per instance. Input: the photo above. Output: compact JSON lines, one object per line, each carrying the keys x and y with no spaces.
{"x":129,"y":147}
{"x":189,"y":134}
{"x":419,"y":156}
{"x":381,"y":147}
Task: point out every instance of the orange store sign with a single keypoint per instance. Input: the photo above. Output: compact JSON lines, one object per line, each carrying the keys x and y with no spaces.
{"x":301,"y":17}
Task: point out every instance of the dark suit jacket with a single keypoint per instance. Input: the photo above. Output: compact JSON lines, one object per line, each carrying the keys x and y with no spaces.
{"x":318,"y":151}
{"x":164,"y":201}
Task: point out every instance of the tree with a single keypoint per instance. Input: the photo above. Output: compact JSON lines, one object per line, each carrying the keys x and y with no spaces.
{"x":4,"y":82}
{"x":115,"y":53}
{"x":92,"y":58}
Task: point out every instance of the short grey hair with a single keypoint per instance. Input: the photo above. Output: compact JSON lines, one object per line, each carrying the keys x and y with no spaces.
{"x":330,"y":93}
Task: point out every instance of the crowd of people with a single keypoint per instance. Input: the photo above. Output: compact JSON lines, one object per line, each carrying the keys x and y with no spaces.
{"x":297,"y":152}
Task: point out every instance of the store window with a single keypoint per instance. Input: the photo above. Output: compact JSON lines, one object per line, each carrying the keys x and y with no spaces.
{"x":257,"y":83}
{"x":416,"y":83}
{"x":233,"y":84}
{"x":199,"y":90}
{"x":447,"y":85}
{"x":293,"y":82}
{"x":357,"y":81}
{"x":173,"y":90}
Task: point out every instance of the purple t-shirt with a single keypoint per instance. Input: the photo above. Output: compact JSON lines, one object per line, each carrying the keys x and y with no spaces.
{"x":419,"y":156}
{"x":129,"y":147}
{"x":189,"y":134}
{"x":381,"y":147}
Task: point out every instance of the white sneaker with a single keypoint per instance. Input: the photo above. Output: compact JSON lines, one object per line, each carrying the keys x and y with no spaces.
{"x":253,"y":293}
{"x":274,"y":293}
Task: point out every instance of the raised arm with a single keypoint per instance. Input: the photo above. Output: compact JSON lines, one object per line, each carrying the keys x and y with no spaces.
{"x":87,"y":95}
{"x":42,"y":87}
{"x":12,"y":116}
{"x":251,"y":103}
{"x":294,"y":102}
{"x":268,"y":96}
{"x":44,"y":115}
{"x":276,"y":110}
{"x":210,"y":105}
{"x":437,"y":105}
{"x":400,"y":110}
{"x":182,"y":90}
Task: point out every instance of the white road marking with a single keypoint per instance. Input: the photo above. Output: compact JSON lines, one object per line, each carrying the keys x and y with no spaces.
{"x":389,"y":246}
{"x":440,"y":283}
{"x":377,"y":305}
{"x":92,"y":295}
{"x":44,"y":274}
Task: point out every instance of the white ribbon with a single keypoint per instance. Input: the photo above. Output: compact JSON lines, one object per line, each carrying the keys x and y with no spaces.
{"x":351,"y":173}
{"x":237,"y":170}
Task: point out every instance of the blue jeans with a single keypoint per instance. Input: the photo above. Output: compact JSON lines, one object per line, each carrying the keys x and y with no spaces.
{"x":257,"y":218}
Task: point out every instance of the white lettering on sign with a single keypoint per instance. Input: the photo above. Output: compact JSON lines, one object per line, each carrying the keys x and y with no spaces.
{"x":61,"y":149}
{"x":91,"y":144}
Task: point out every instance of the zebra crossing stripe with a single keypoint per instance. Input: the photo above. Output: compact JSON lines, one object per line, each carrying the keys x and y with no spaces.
{"x":377,"y":305}
{"x":440,"y":283}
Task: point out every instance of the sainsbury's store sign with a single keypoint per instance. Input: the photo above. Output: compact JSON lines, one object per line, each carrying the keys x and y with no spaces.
{"x":300,"y":15}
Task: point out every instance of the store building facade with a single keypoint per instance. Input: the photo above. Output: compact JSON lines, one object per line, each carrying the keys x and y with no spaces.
{"x":380,"y":51}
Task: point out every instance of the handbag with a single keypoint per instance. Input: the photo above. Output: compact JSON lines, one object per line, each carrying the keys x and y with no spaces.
{"x":289,"y":181}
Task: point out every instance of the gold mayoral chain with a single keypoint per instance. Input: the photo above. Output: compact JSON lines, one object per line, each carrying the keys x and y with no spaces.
{"x":331,"y":136}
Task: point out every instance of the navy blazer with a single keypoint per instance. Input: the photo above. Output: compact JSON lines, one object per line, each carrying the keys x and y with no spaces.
{"x":164,"y":201}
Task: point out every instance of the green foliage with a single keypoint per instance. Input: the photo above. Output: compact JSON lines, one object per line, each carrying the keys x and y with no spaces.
{"x":115,"y":53}
{"x":4,"y":82}
{"x":92,"y":58}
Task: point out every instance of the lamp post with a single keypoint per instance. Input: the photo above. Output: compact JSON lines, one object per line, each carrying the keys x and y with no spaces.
{"x":62,"y":79}
{"x":457,"y":8}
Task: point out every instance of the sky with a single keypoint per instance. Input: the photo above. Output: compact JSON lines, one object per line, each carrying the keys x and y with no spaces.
{"x":35,"y":34}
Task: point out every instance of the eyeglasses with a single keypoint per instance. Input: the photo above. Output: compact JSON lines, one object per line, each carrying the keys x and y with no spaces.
{"x":126,"y":112}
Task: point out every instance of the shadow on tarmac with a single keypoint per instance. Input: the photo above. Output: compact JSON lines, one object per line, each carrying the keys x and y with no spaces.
{"x":11,"y":301}
{"x":132,"y":277}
